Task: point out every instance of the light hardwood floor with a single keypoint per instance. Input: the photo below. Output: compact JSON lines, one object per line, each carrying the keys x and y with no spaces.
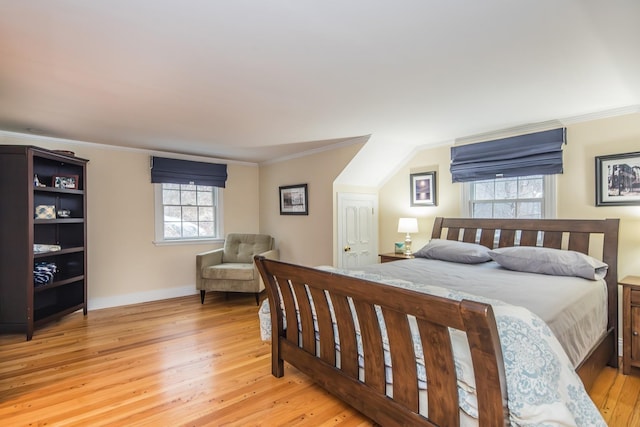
{"x":179,"y":363}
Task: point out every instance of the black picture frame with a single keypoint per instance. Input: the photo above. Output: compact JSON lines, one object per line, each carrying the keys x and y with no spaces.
{"x":618,"y":179}
{"x":423,"y":189}
{"x":294,"y":200}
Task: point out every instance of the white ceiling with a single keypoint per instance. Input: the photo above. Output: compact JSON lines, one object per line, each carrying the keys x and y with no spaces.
{"x":256,"y":80}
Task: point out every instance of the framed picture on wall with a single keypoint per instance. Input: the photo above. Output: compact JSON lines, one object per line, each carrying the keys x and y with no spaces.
{"x":618,"y":179}
{"x":294,"y":200}
{"x":423,"y":189}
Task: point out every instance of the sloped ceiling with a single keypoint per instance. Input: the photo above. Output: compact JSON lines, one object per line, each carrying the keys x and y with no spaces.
{"x":255,"y":80}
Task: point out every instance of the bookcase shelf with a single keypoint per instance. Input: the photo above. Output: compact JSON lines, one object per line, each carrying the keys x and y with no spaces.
{"x":60,"y":186}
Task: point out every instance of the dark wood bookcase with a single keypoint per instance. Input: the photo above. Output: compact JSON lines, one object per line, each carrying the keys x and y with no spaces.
{"x":25,"y":304}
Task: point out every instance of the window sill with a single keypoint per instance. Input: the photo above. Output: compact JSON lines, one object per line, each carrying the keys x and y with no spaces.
{"x":188,"y":242}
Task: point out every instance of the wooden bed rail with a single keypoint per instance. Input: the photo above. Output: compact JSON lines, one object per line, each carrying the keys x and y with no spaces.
{"x":355,"y":306}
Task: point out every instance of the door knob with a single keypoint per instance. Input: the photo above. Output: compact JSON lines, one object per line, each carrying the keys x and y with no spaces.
{"x":347,"y":248}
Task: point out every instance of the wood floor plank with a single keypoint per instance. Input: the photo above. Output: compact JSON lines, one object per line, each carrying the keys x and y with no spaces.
{"x":179,"y":362}
{"x":626,"y":402}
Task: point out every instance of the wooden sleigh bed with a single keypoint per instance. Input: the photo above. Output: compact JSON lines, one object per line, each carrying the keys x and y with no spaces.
{"x":331,"y":309}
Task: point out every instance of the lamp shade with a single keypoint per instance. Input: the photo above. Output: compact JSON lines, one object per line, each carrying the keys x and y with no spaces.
{"x":408,"y":225}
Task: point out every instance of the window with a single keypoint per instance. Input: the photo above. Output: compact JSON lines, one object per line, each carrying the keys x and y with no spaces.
{"x":187,"y":212}
{"x":530,"y":197}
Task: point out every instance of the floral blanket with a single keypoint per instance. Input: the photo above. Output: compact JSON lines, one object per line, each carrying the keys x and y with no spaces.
{"x":542,"y":387}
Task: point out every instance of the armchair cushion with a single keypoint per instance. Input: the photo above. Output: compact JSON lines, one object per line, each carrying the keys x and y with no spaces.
{"x":230,"y":270}
{"x":242,"y":247}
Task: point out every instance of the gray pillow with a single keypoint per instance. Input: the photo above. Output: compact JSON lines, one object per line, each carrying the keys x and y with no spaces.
{"x":557,"y":262}
{"x":454,"y":251}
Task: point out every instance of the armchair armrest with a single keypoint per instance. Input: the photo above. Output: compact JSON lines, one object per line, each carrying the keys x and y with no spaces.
{"x":271,"y":254}
{"x":208,"y":258}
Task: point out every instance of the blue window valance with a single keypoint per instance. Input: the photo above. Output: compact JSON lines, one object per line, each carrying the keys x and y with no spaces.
{"x":174,"y":171}
{"x":537,"y":153}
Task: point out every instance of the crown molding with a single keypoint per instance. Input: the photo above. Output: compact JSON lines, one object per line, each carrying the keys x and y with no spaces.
{"x":33,"y":138}
{"x":546,"y":125}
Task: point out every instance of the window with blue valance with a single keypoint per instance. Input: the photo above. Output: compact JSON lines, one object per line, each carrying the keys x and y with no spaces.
{"x":175,"y":171}
{"x":537,"y":153}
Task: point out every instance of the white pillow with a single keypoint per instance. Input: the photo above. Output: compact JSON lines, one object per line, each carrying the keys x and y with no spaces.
{"x":454,"y":251}
{"x":557,"y":262}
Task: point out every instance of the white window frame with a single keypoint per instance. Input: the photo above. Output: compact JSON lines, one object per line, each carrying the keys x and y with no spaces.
{"x":549,"y":200}
{"x":159,"y":222}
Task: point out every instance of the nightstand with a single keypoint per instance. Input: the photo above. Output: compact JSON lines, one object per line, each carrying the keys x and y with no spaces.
{"x":391,"y":256}
{"x":630,"y":323}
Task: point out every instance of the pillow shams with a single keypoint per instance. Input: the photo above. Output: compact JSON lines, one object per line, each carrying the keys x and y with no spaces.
{"x":454,"y":251}
{"x":557,"y":262}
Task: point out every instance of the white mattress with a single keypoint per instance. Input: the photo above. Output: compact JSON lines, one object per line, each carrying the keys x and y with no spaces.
{"x":574,"y":308}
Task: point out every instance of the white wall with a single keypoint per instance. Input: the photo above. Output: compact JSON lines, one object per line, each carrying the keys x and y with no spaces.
{"x":124,"y":265}
{"x":304,"y":239}
{"x":576,"y":187}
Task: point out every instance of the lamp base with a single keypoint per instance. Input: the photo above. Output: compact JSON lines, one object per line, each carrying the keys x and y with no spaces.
{"x":407,"y":245}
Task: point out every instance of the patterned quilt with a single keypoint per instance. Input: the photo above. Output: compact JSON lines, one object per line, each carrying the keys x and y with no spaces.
{"x":542,"y":387}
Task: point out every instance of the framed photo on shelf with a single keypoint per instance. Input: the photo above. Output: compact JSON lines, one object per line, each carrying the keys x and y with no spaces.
{"x":294,"y":200}
{"x":423,"y":189}
{"x":618,"y":179}
{"x":65,"y":181}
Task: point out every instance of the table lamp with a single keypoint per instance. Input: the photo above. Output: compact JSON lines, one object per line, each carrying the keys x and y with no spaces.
{"x":407,"y":225}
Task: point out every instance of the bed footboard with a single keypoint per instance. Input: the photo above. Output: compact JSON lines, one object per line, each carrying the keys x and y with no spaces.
{"x":339,"y":317}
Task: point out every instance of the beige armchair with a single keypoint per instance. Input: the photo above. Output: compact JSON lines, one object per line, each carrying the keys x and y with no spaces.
{"x":231,"y":268}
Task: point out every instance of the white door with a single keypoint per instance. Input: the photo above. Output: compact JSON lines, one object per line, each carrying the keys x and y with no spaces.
{"x":357,"y":229}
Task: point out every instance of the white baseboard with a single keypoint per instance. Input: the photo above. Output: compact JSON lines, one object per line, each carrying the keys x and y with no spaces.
{"x":138,"y":297}
{"x":620,"y":347}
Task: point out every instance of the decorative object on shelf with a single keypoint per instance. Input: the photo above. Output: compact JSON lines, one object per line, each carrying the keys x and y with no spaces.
{"x":423,"y":189}
{"x":45,"y":212}
{"x":41,"y":249}
{"x":407,"y":225}
{"x":43,"y":273}
{"x":66,"y":181}
{"x":618,"y":179}
{"x":65,"y":152}
{"x":294,"y":200}
{"x":36,"y":181}
{"x":399,"y":247}
{"x":64,"y":213}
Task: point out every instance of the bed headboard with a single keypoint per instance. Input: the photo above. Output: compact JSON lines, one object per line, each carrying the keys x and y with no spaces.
{"x":579,"y":235}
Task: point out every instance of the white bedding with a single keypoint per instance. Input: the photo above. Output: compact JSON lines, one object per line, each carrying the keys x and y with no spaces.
{"x":574,"y":308}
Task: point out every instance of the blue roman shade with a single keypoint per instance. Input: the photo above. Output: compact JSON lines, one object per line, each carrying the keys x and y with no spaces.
{"x":537,"y":153}
{"x":174,"y":171}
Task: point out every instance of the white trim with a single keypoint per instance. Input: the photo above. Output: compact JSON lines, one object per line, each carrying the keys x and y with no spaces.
{"x":508,"y":132}
{"x":30,"y":137}
{"x":465,"y":203}
{"x":546,"y":125}
{"x":550,"y":197}
{"x":139,"y":297}
{"x":549,"y":201}
{"x":188,"y":242}
{"x":620,"y":347}
{"x":614,"y":112}
{"x":159,"y":223}
{"x":350,"y":141}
